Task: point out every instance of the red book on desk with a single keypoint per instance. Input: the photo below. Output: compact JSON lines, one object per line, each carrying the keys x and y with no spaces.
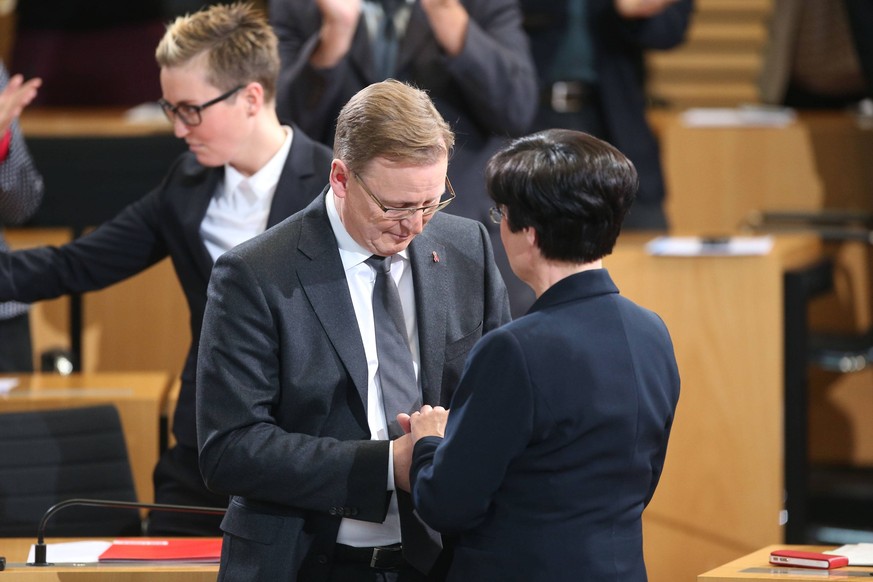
{"x":153,"y":549}
{"x":807,"y":559}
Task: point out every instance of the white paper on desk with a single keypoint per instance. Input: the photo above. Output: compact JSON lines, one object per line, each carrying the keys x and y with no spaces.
{"x":858,"y":554}
{"x":745,"y":116}
{"x":73,"y":552}
{"x":695,"y":246}
{"x":7,"y":384}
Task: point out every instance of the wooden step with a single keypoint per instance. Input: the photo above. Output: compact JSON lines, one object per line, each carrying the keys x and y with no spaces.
{"x":681,"y":65}
{"x":704,"y":94}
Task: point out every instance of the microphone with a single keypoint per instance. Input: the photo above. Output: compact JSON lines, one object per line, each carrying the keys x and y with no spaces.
{"x":40,"y":549}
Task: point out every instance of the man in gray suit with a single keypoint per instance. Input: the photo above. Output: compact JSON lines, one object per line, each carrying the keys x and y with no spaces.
{"x":292,"y":377}
{"x":471,"y":56}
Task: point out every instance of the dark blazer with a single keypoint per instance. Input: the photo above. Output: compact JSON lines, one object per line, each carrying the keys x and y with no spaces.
{"x":165,"y":222}
{"x":619,"y":46}
{"x":282,"y":382}
{"x":555,"y":441}
{"x":487,"y":93}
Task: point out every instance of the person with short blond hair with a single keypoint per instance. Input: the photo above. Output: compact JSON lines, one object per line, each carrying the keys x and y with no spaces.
{"x":239,"y":47}
{"x":243,"y":173}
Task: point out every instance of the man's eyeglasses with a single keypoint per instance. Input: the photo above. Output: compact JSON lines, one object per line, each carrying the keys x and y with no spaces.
{"x":496,"y":214}
{"x":403,"y":213}
{"x":190,"y":114}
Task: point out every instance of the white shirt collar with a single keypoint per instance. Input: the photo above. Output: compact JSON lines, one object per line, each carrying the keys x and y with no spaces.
{"x":263,"y":182}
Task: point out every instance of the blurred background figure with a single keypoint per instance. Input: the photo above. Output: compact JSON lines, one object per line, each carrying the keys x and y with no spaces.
{"x":589,"y":54}
{"x":472,"y":58}
{"x":21,"y":192}
{"x":819,"y":54}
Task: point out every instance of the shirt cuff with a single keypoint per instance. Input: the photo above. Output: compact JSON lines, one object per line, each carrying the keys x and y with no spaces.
{"x":390,"y":465}
{"x":4,"y":145}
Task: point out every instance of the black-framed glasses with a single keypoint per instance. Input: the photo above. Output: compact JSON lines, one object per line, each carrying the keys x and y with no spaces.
{"x":403,"y":213}
{"x":496,"y":214}
{"x":190,"y":114}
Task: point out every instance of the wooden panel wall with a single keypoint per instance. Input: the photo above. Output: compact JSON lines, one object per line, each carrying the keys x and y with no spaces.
{"x":721,"y":59}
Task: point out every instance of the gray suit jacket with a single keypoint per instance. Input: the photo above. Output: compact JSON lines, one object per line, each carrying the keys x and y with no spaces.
{"x":488,"y":93}
{"x":282,"y":381}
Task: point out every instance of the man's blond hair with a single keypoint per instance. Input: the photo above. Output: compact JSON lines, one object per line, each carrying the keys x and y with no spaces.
{"x":394,"y":121}
{"x":239,"y":44}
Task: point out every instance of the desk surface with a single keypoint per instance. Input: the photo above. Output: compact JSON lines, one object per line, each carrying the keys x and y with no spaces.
{"x":734,"y":571}
{"x":140,"y":398}
{"x":16,"y":549}
{"x":88,"y":122}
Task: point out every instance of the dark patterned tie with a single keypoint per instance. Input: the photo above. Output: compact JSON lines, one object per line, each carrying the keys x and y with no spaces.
{"x":386,"y":42}
{"x":421,"y":545}
{"x":400,"y":391}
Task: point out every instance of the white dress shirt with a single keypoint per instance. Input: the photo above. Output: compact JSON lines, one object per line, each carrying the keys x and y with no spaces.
{"x":361,"y":279}
{"x":241,"y":207}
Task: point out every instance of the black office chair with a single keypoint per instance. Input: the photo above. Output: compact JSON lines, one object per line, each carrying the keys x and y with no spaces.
{"x":828,"y":504}
{"x":48,"y":456}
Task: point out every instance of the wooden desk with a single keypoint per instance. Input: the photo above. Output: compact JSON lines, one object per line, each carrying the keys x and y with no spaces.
{"x":16,"y":549}
{"x":72,"y":122}
{"x":139,"y":397}
{"x":722,"y":490}
{"x":733,"y":571}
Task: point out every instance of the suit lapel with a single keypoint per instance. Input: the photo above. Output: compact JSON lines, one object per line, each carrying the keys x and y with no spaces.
{"x":429,"y":270}
{"x":199,"y":198}
{"x":361,"y":52}
{"x":324,"y":282}
{"x":296,"y":179}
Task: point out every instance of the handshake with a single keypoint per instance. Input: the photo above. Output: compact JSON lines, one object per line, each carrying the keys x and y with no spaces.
{"x":429,"y":421}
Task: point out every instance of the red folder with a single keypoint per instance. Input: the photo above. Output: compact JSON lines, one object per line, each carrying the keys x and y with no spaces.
{"x":153,"y":549}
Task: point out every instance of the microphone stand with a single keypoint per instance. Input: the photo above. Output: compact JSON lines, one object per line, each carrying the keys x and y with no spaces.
{"x":40,"y":549}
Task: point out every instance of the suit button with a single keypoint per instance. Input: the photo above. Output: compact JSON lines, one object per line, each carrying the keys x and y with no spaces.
{"x":321,"y":559}
{"x":332,"y":511}
{"x":352,"y":511}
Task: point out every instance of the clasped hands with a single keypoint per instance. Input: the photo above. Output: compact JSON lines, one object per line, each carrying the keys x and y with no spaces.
{"x":429,"y":421}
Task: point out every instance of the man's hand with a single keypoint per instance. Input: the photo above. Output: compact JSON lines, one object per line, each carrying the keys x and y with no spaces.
{"x":339,"y":20}
{"x":429,"y":421}
{"x":641,"y":8}
{"x":14,"y":98}
{"x":449,"y":21}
